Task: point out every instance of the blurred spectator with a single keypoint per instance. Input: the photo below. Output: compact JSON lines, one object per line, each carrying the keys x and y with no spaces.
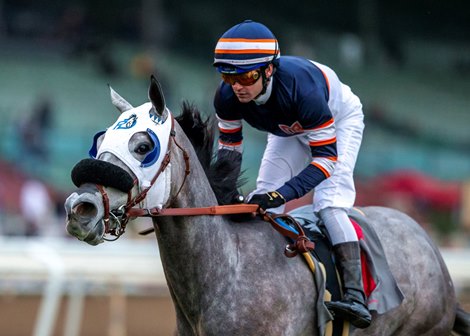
{"x":351,"y":51}
{"x":144,"y":64}
{"x":73,"y":28}
{"x":2,"y":205}
{"x":37,"y":208}
{"x":79,"y":33}
{"x":34,"y":127}
{"x":393,"y":47}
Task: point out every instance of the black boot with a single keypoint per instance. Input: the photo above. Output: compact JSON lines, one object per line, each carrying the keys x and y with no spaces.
{"x":352,"y":307}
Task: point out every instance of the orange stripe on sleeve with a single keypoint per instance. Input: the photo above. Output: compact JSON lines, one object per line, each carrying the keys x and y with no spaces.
{"x":324,"y":125}
{"x":322,"y":143}
{"x":324,"y":171}
{"x":326,"y":80}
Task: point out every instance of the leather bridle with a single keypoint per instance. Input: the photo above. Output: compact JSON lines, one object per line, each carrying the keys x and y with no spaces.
{"x":115,"y":221}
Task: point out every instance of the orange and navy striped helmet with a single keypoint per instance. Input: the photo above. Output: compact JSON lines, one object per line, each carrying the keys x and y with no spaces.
{"x":244,"y":47}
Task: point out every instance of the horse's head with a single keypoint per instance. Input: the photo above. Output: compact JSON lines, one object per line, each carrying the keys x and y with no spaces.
{"x":127,"y":167}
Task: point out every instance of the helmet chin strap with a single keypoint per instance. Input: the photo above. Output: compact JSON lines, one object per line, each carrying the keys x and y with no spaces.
{"x":265,"y":80}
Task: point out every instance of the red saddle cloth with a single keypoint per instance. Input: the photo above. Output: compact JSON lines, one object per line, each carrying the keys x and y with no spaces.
{"x":367,"y":278}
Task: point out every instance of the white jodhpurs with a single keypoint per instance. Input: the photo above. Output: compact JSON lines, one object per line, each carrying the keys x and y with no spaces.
{"x":339,"y":226}
{"x":285,"y":157}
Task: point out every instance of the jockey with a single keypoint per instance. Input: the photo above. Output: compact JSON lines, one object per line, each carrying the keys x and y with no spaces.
{"x":314,"y":124}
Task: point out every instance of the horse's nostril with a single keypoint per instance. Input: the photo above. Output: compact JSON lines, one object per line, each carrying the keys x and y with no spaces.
{"x":85,"y":209}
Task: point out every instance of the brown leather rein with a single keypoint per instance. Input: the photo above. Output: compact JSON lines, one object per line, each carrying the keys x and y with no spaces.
{"x":301,"y":243}
{"x":120,"y":217}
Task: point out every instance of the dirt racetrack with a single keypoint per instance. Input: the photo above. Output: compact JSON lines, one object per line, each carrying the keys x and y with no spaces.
{"x":139,"y":316}
{"x":102,"y":315}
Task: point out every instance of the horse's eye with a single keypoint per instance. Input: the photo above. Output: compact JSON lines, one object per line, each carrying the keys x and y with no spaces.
{"x":143,"y":148}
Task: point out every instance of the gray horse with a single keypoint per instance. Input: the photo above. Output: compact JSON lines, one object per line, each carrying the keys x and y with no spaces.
{"x":227,"y":277}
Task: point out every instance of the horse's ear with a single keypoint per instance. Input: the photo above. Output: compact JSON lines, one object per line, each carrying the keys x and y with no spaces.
{"x":157,"y":98}
{"x":121,"y":104}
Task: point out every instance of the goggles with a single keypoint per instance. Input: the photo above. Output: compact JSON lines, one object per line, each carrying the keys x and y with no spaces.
{"x":245,"y":79}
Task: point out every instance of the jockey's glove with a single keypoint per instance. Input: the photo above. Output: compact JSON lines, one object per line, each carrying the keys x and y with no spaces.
{"x":271,"y":199}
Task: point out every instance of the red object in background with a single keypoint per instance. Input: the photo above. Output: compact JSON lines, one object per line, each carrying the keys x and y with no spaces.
{"x":12,"y":180}
{"x":413,"y":185}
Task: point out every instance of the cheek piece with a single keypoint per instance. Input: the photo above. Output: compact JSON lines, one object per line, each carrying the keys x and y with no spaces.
{"x":101,"y":173}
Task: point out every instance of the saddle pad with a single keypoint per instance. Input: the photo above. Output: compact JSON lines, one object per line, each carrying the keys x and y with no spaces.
{"x":379,"y":284}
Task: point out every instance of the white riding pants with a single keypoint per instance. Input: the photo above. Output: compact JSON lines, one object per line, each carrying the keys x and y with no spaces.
{"x":285,"y":157}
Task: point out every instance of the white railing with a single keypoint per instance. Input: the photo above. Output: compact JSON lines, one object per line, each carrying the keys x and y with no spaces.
{"x":53,"y":268}
{"x":73,"y":268}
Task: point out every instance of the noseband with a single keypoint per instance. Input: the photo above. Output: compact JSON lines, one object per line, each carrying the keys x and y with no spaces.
{"x":115,"y":221}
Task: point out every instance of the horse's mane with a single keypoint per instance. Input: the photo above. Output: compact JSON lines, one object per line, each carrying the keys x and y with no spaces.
{"x":223,"y":175}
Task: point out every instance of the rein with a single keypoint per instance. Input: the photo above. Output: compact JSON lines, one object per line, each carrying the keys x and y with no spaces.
{"x":213,"y":210}
{"x":301,"y":243}
{"x":115,"y":221}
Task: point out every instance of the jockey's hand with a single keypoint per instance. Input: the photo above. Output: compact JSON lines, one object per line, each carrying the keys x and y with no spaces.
{"x":271,"y":199}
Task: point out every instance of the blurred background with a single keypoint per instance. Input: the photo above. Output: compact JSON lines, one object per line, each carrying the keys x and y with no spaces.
{"x":409,"y":62}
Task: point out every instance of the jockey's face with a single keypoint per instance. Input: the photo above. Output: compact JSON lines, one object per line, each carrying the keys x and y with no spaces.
{"x":246,"y":93}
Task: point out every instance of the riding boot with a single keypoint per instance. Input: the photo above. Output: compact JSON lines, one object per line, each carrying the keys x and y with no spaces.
{"x":353,"y":305}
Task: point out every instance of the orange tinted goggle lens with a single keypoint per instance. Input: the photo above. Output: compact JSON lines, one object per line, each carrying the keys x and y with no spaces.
{"x":245,"y":79}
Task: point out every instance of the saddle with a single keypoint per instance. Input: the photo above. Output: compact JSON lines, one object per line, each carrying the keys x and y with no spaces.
{"x":312,"y":236}
{"x":306,"y":233}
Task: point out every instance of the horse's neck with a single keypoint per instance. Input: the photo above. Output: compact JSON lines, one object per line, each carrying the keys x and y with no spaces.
{"x":188,"y":233}
{"x":193,"y":248}
{"x":188,"y":190}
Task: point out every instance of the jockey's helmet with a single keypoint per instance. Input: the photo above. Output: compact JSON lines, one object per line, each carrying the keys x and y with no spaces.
{"x":244,"y":47}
